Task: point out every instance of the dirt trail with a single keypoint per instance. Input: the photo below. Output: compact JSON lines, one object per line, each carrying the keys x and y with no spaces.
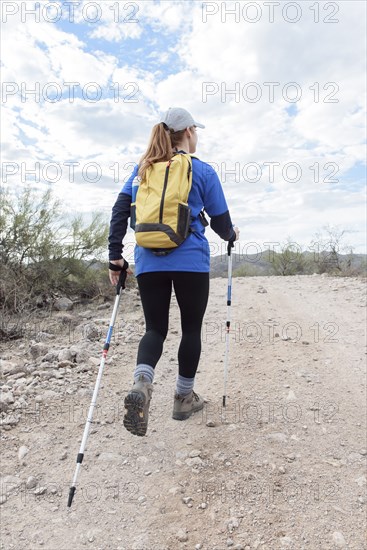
{"x":282,"y":467}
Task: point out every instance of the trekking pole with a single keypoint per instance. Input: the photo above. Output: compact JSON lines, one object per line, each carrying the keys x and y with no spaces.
{"x":228,"y":323}
{"x":79,"y":460}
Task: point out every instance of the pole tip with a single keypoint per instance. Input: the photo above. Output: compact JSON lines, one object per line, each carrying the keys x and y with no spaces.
{"x":224,"y":400}
{"x":71,"y":495}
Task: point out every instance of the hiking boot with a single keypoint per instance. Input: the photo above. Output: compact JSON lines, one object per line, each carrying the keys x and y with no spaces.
{"x":183,"y":407}
{"x":137,"y":404}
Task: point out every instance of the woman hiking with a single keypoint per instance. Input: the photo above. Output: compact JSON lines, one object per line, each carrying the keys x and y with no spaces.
{"x":185,"y":267}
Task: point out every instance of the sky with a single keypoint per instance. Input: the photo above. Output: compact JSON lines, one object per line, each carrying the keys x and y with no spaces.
{"x":280,"y":87}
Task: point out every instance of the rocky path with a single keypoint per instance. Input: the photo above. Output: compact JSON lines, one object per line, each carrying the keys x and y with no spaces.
{"x":283,"y":466}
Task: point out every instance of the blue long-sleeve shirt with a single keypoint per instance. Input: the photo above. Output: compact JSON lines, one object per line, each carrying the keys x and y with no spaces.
{"x":194,"y":253}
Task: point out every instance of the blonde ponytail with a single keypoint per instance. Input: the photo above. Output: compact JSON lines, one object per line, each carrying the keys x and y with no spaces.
{"x":161,"y":142}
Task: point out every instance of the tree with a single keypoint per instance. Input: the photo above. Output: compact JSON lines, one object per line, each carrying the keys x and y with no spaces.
{"x":327,"y":248}
{"x":42,"y":254}
{"x":289,"y":261}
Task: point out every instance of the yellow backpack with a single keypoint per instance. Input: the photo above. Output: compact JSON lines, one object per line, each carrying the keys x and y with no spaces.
{"x":161,"y":215}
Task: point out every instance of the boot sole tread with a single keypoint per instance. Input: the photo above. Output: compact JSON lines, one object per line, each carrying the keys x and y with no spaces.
{"x":135,"y":421}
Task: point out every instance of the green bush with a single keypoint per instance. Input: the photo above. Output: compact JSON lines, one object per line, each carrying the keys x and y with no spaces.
{"x":42,"y":255}
{"x":290,"y":261}
{"x":247,"y":270}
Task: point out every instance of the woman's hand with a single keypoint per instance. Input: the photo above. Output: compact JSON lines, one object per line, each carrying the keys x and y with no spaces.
{"x":237,"y":231}
{"x":115,"y":275}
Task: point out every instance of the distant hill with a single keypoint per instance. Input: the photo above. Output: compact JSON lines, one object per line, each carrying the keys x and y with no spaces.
{"x":259,"y":264}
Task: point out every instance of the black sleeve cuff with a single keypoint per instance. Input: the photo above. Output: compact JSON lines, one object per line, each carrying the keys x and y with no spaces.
{"x":223,"y":226}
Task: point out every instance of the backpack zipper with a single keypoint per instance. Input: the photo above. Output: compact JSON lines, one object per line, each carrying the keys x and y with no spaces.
{"x":164,"y":191}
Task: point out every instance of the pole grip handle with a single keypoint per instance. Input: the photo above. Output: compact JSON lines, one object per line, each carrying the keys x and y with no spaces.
{"x":121,"y":284}
{"x":229,"y":247}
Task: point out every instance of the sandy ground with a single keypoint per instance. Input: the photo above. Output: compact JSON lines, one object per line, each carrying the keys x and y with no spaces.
{"x":282,"y":467}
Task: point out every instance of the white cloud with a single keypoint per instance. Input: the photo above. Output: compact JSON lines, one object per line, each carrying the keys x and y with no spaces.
{"x":220,"y":52}
{"x":116,"y":21}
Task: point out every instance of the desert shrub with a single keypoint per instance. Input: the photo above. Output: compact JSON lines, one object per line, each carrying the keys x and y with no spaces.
{"x":44,"y":254}
{"x":290,"y":261}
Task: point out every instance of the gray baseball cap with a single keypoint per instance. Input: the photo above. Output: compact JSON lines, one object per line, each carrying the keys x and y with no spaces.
{"x":178,"y":119}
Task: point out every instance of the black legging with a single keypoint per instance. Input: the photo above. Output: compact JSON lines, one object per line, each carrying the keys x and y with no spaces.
{"x":191,"y":290}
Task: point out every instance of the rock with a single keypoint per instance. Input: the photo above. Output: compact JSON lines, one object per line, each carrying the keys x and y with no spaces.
{"x":23,"y":450}
{"x":194,"y":453}
{"x":83,"y":539}
{"x":277,"y":436}
{"x":103,"y":306}
{"x":229,"y":542}
{"x":282,"y":469}
{"x":59,"y":375}
{"x":339,"y":540}
{"x":38,"y":350}
{"x":175,"y":490}
{"x":186,"y":500}
{"x":231,"y":524}
{"x":87,"y":314}
{"x":20,"y":403}
{"x":65,"y":355}
{"x":290,"y":457}
{"x":210,"y":424}
{"x":46,"y":365}
{"x":63,"y":304}
{"x":10,"y":484}
{"x":182,"y":536}
{"x":85,"y":392}
{"x":9,"y":367}
{"x":31,"y":482}
{"x":361,"y":481}
{"x":63,"y":364}
{"x":18,"y":376}
{"x":10,"y":420}
{"x":44,"y":336}
{"x":196,"y":461}
{"x":261,"y":290}
{"x":291,"y":396}
{"x":79,"y":354}
{"x":45,"y":374}
{"x":40,"y":491}
{"x":6,"y":399}
{"x":3,"y":499}
{"x":91,"y":331}
{"x":48,"y":394}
